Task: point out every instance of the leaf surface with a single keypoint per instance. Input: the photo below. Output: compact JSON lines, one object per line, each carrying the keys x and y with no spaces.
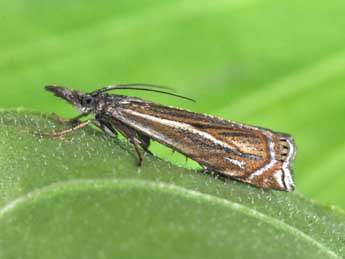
{"x":84,"y":197}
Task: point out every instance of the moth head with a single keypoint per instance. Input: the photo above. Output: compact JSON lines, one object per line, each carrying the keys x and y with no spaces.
{"x":81,"y":101}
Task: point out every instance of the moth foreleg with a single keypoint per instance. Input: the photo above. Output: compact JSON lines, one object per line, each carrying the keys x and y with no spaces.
{"x":65,"y":131}
{"x":67,"y":121}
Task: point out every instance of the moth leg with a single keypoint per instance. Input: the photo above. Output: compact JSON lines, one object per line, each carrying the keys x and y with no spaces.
{"x":144,"y":142}
{"x":65,"y":131}
{"x":106,"y":127}
{"x":137,"y":150}
{"x":67,"y":121}
{"x":186,"y":160}
{"x":130,"y":134}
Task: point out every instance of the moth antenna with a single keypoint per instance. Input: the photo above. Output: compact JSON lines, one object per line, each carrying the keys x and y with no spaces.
{"x":124,"y":87}
{"x":144,"y":84}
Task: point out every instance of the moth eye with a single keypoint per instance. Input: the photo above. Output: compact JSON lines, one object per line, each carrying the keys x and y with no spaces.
{"x":88,"y":100}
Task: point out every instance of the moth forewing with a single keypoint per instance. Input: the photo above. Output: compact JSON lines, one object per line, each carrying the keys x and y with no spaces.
{"x":250,"y":154}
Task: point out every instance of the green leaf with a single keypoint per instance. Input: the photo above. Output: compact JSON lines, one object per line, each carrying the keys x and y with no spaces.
{"x":84,"y":197}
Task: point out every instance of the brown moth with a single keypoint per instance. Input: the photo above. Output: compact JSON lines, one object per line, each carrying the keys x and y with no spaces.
{"x":250,"y":154}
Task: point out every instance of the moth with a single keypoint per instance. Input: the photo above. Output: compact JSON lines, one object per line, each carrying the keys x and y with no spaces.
{"x":251,"y":154}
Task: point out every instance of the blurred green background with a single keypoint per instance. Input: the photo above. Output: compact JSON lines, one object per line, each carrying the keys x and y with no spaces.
{"x":270,"y":63}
